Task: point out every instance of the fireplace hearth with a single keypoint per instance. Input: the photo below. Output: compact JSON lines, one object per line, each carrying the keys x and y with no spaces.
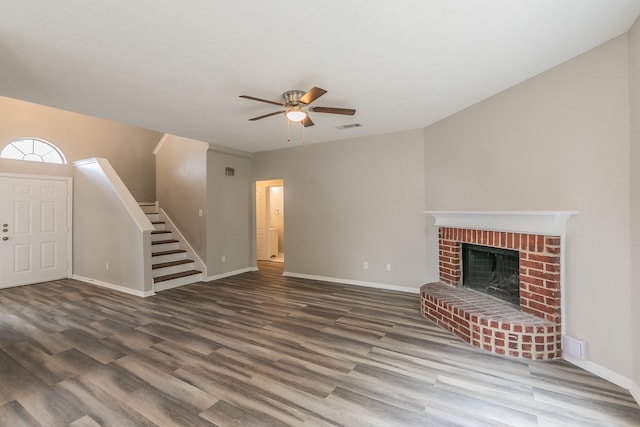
{"x":525,"y":248}
{"x":493,"y":271}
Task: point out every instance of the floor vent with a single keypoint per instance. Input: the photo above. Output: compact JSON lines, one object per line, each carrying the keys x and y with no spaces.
{"x":574,"y":347}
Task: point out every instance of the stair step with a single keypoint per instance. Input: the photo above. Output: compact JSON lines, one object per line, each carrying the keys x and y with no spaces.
{"x":158,"y":225}
{"x":171,"y":252}
{"x":176,"y":276}
{"x":159,"y":256}
{"x":171,"y":263}
{"x":162,"y":242}
{"x":161,"y":235}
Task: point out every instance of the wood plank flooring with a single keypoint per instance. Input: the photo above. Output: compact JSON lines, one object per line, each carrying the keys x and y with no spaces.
{"x":259,"y":349}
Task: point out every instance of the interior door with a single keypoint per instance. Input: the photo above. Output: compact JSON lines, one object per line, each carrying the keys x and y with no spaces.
{"x":35,"y":230}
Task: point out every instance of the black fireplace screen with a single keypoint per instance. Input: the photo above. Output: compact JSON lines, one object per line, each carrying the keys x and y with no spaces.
{"x":493,"y":271}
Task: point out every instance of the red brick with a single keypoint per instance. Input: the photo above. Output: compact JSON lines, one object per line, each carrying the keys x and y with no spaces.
{"x":552,"y":267}
{"x":555,"y":250}
{"x":532,"y":264}
{"x":544,"y":258}
{"x":531,"y":280}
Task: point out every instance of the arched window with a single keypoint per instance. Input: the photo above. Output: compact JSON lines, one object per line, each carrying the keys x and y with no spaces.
{"x":33,"y":149}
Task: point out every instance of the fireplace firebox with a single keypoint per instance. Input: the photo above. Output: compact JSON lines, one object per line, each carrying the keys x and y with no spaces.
{"x":493,"y":271}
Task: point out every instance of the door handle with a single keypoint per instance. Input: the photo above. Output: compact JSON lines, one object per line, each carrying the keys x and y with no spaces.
{"x":5,"y":238}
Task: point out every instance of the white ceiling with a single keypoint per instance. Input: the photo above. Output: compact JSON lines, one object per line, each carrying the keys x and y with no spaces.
{"x":179,"y":66}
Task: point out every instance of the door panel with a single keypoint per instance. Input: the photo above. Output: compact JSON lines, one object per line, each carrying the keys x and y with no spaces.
{"x":35,"y":212}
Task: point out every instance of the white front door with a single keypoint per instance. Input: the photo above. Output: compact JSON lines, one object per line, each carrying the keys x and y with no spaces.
{"x":35,"y":227}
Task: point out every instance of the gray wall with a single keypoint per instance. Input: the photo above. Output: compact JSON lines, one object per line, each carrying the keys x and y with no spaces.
{"x":104,"y":231}
{"x":191,"y":177}
{"x":634,"y":74}
{"x":352,"y":201}
{"x":129,"y":149}
{"x":559,"y":141}
{"x":229,"y":219}
{"x":181,"y":180}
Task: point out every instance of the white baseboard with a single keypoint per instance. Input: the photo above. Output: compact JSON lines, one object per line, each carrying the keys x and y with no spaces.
{"x":119,"y":288}
{"x":230,"y":273}
{"x":607,"y":374}
{"x":353,"y":282}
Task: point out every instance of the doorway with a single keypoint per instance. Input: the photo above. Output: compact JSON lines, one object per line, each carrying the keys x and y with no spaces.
{"x":270,"y":220}
{"x":35,"y":242}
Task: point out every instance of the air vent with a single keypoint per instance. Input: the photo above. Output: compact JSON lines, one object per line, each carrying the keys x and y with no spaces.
{"x":229,"y":171}
{"x":352,"y":125}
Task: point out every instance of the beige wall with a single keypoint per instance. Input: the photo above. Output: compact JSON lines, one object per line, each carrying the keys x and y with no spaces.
{"x":35,"y":168}
{"x":559,"y":141}
{"x":181,"y":171}
{"x":634,"y":81}
{"x":129,"y":149}
{"x":229,"y":199}
{"x":352,"y":201}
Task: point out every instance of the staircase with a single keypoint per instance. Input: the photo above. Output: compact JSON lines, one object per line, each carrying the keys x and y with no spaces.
{"x":169,"y":263}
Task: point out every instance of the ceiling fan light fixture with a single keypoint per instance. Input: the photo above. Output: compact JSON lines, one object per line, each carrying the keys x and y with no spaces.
{"x":296,"y":114}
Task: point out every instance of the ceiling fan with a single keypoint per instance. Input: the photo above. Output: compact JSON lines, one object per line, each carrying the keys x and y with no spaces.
{"x":296,"y":104}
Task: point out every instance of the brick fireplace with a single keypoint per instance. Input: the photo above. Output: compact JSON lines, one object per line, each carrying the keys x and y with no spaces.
{"x":532,"y":331}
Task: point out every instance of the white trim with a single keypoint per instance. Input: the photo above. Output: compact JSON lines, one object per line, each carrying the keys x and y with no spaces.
{"x":119,"y":288}
{"x":353,"y":282}
{"x":200,"y":265}
{"x":159,"y":144}
{"x":230,"y":273}
{"x":607,"y":374}
{"x":549,"y":223}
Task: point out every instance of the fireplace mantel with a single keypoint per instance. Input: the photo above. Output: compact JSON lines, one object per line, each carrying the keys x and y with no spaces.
{"x":550,"y":223}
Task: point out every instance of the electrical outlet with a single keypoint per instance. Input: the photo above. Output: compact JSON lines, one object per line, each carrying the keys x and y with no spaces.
{"x":224,"y":258}
{"x":365,"y":265}
{"x":106,"y":265}
{"x":200,"y":212}
{"x":388,"y":267}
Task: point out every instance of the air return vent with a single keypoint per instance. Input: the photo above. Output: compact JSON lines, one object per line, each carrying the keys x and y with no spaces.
{"x":352,"y":125}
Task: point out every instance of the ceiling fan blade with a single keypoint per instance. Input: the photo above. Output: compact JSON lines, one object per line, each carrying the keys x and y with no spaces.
{"x":332,"y":110}
{"x":307,"y":121}
{"x":265,"y":116}
{"x":313,"y":94}
{"x":253,"y":98}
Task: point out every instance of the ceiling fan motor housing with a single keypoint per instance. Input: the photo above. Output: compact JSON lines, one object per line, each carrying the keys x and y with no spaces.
{"x":292,"y":97}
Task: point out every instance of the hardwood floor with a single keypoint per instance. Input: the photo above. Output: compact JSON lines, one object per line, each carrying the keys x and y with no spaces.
{"x":260,"y":349}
